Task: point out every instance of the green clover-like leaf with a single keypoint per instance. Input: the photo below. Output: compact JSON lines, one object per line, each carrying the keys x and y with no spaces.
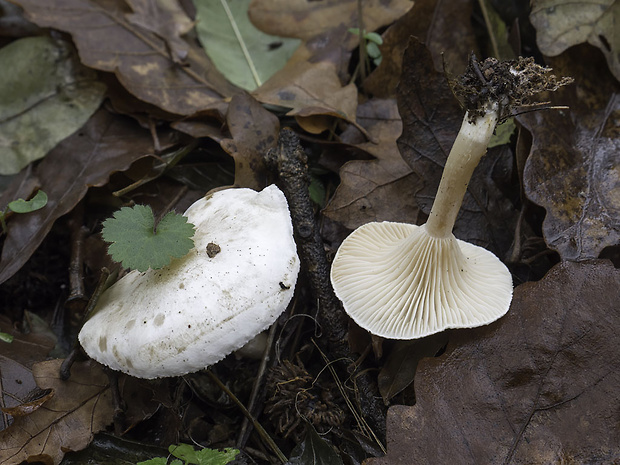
{"x":27,"y":206}
{"x":138,"y":245}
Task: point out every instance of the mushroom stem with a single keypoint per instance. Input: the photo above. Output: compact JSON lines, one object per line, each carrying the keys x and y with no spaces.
{"x":470,"y":145}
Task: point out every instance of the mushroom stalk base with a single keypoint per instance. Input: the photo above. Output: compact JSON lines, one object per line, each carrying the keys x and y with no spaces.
{"x":470,"y":145}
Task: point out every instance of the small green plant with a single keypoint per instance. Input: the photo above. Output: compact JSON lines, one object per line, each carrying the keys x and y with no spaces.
{"x":139,"y":244}
{"x":185,"y":455}
{"x":5,"y":337}
{"x":373,"y":40}
{"x":23,"y":206}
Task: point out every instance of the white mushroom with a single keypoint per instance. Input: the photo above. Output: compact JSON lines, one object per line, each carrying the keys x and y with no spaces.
{"x":402,"y":281}
{"x":237,"y":280}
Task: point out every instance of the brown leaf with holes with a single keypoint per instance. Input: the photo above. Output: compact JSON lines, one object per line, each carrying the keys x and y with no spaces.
{"x":539,"y":386}
{"x":306,"y":19}
{"x":573,"y":169}
{"x":80,"y":407}
{"x":376,"y":190}
{"x":110,"y":37}
{"x":106,"y":144}
{"x":254,"y":131}
{"x":431,"y":120}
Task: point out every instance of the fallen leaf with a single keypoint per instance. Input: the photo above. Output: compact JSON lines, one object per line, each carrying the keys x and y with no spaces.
{"x":314,"y":450}
{"x":244,"y":54}
{"x":572,"y":170}
{"x":381,"y":189}
{"x":80,"y":407}
{"x":309,"y":85}
{"x":106,"y":144}
{"x":16,"y":360}
{"x":305,"y":19}
{"x":560,"y":24}
{"x":140,"y":58}
{"x":254,"y":131}
{"x":431,"y":120}
{"x":539,"y":386}
{"x":444,"y":27}
{"x":166,"y":19}
{"x":46,"y":95}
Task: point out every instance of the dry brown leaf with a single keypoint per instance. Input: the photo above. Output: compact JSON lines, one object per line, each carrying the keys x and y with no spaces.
{"x":431,"y":120}
{"x":305,"y":19}
{"x":445,"y":28}
{"x":141,"y":59}
{"x":540,"y":386}
{"x":381,"y":189}
{"x":106,"y":144}
{"x":80,"y":407}
{"x":254,"y":130}
{"x":572,"y":170}
{"x":309,"y":84}
{"x":165,"y":18}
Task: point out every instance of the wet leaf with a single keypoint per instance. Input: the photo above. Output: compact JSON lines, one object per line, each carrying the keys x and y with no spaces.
{"x":572,"y":170}
{"x":305,"y":20}
{"x":140,"y":58}
{"x":80,"y":407}
{"x":537,"y":386}
{"x":560,"y":24}
{"x":431,"y":119}
{"x":313,"y":450}
{"x":254,"y":131}
{"x":244,"y":54}
{"x":381,"y":189}
{"x":46,"y":95}
{"x":106,"y":144}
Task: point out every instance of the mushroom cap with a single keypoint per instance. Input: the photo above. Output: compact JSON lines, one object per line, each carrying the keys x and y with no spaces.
{"x":195,"y":311}
{"x":398,"y":282}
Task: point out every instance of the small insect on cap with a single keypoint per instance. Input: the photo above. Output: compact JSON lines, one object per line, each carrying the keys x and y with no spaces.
{"x":233,"y":284}
{"x":398,"y":282}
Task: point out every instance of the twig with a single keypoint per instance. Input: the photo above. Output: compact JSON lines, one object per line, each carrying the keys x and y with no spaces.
{"x":289,"y":160}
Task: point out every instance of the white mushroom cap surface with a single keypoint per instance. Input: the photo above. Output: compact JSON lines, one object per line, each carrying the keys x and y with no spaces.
{"x":194,"y":312}
{"x":398,"y":282}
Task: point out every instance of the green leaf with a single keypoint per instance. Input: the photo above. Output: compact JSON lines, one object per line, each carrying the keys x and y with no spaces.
{"x":27,"y":206}
{"x":45,"y":96}
{"x":242,"y":53}
{"x":203,"y":456}
{"x":373,"y":50}
{"x":374,"y":38}
{"x":154,"y":461}
{"x":6,"y":337}
{"x":137,"y":244}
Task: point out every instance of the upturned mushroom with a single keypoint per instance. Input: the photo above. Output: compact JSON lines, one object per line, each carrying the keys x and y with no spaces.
{"x":233,"y":284}
{"x":402,"y":281}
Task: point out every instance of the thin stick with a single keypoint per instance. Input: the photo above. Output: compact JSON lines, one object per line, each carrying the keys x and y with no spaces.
{"x":259,"y":428}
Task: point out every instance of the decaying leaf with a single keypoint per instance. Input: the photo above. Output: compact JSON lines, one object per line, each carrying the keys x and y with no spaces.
{"x":244,"y":54}
{"x":106,"y":144}
{"x":573,"y":169}
{"x":46,"y":95}
{"x":376,"y":190}
{"x":166,"y":19}
{"x":80,"y":407}
{"x":309,"y":85}
{"x":431,"y":119}
{"x":560,"y":24}
{"x":305,"y":20}
{"x":141,"y":59}
{"x":537,"y":387}
{"x":444,"y":27}
{"x":254,"y":131}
